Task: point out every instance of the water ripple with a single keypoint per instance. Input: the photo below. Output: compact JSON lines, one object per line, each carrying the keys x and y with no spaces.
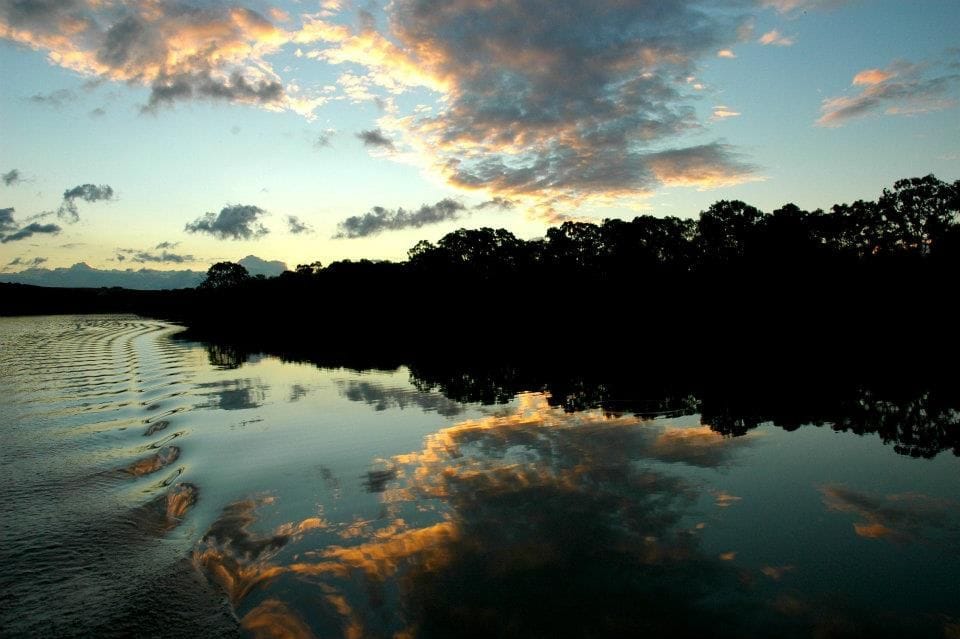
{"x":83,"y":500}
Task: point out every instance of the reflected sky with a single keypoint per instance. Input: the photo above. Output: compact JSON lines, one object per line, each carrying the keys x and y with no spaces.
{"x":328,"y":502}
{"x":903,"y":518}
{"x":238,"y":394}
{"x":541,"y":522}
{"x":381,"y":398}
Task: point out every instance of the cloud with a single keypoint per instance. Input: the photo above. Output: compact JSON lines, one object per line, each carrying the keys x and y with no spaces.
{"x":55,"y":99}
{"x":6,"y":220}
{"x":721,"y":112}
{"x":380,"y":219}
{"x":86,"y":192}
{"x":790,"y":6}
{"x":30,"y":230}
{"x":323,"y":139}
{"x":167,"y":245}
{"x":296,"y":226}
{"x":705,"y":166}
{"x":776,"y":38}
{"x":574,"y":108}
{"x":97,"y":113}
{"x":496,"y":203}
{"x":27,"y":263}
{"x":902,"y":88}
{"x":11,"y":177}
{"x":726,"y":53}
{"x":234,"y":222}
{"x":181,"y":50}
{"x":376,"y":139}
{"x":165,"y":257}
{"x":871,"y":76}
{"x":234,"y":88}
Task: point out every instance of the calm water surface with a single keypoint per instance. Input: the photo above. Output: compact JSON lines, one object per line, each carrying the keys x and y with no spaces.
{"x":153,"y":486}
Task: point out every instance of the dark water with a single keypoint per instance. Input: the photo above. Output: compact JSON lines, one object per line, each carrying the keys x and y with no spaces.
{"x":151,"y":486}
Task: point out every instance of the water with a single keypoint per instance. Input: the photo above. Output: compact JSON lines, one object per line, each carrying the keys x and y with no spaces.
{"x":154,"y":486}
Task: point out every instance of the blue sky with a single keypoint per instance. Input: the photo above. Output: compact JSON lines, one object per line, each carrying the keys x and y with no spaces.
{"x":227,"y":118}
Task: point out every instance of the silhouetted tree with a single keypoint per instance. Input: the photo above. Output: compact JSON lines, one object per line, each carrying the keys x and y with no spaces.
{"x":857,"y":230}
{"x":575,"y":246}
{"x":225,"y":275}
{"x":918,"y":212}
{"x":790,"y":237}
{"x":647,"y":243}
{"x":727,"y":231}
{"x":309,"y":270}
{"x":486,"y":251}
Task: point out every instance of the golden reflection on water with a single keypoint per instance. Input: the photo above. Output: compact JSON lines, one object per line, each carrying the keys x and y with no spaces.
{"x":178,"y":500}
{"x":151,"y":464}
{"x":510,"y":494}
{"x":539,"y":521}
{"x":272,"y":619}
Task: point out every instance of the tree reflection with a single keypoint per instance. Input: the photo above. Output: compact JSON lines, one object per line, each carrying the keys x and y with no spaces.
{"x":918,"y":414}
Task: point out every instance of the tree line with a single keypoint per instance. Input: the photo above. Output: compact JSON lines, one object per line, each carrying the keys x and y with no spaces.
{"x":858,"y":289}
{"x":914,"y":222}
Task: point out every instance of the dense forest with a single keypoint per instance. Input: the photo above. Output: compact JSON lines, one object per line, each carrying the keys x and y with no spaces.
{"x":735,"y":273}
{"x":870,"y":282}
{"x":915,"y":221}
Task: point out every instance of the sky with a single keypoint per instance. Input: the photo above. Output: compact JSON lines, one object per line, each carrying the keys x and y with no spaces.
{"x":172,"y":135}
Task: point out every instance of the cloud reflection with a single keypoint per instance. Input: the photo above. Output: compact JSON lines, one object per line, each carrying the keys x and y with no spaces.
{"x":382,"y":397}
{"x":901,"y":518}
{"x":237,"y":394}
{"x":556,"y":521}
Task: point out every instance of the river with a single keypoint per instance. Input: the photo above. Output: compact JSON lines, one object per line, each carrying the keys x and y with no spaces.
{"x":155,"y":486}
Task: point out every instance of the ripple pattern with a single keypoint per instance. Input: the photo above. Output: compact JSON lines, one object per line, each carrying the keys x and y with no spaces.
{"x":93,"y":486}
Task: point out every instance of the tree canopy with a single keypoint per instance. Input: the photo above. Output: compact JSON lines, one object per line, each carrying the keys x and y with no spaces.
{"x":225,"y":275}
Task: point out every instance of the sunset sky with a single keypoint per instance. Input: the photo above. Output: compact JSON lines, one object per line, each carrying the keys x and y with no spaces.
{"x":177,"y":134}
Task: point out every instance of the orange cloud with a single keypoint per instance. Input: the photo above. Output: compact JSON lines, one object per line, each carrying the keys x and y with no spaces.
{"x":179,"y":51}
{"x":872,"y":76}
{"x":902,"y":88}
{"x":705,"y":167}
{"x":776,"y":38}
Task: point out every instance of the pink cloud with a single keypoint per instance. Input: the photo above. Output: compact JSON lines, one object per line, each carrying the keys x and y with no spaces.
{"x":902,"y":88}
